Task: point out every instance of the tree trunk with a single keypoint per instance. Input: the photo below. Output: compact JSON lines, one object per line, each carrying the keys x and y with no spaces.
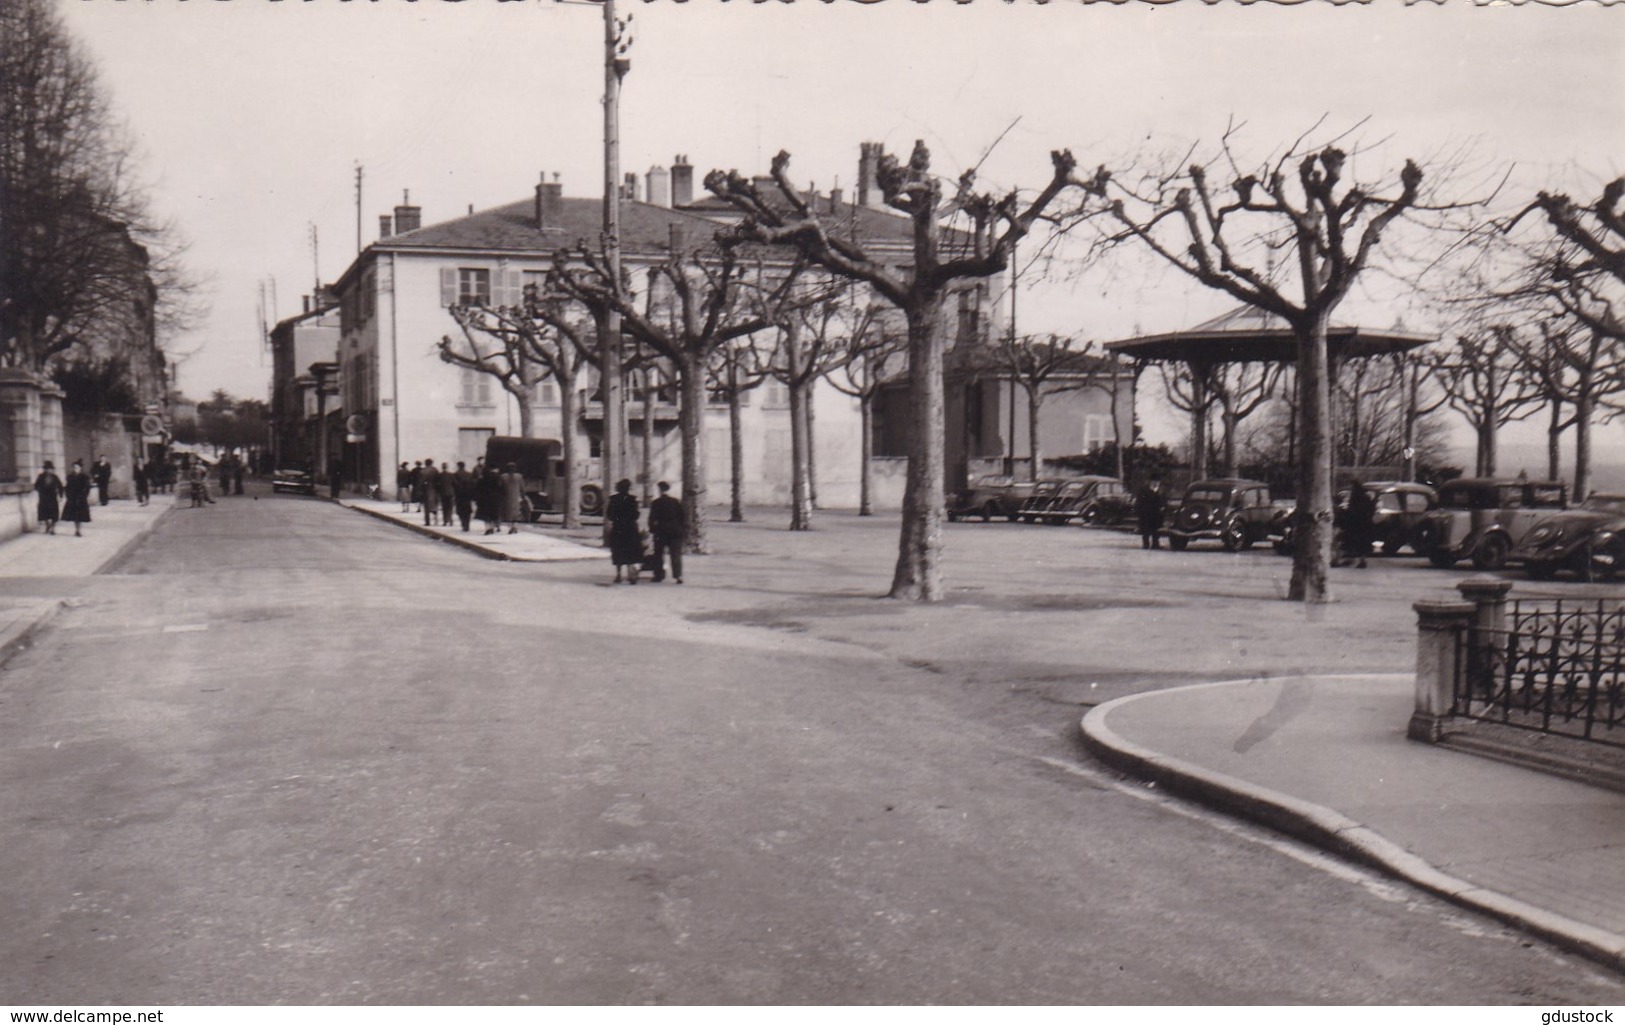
{"x":522,"y":398}
{"x":800,"y":468}
{"x":691,"y":375}
{"x":1312,"y":550}
{"x":1228,"y":415}
{"x":611,"y":391}
{"x":566,"y":377}
{"x":1199,"y":404}
{"x":918,"y":576}
{"x":1554,"y":437}
{"x":1034,"y":450}
{"x":736,"y":451}
{"x":866,"y":453}
{"x":811,"y":416}
{"x":1583,"y":408}
{"x":650,"y":378}
{"x":1487,"y":454}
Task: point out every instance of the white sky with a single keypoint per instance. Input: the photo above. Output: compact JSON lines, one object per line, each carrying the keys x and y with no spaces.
{"x":251,"y":115}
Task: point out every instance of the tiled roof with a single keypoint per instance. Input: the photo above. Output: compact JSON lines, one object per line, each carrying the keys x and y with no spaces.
{"x":645,"y":229}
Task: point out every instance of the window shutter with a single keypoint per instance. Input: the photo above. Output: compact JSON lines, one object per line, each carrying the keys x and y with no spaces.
{"x":516,"y":287}
{"x":448,"y":286}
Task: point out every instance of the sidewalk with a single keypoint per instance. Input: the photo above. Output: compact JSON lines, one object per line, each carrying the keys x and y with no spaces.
{"x":528,"y":545}
{"x":1325,"y":758}
{"x":112,"y":529}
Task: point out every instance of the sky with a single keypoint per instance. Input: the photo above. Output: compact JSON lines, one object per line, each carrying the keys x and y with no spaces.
{"x":251,"y":116}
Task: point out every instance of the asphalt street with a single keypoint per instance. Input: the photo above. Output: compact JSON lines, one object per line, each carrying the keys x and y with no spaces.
{"x":286,"y":753}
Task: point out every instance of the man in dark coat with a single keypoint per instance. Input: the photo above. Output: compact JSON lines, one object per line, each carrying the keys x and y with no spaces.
{"x":667,"y":525}
{"x":1150,"y":505}
{"x":1358,"y":518}
{"x":430,"y":478}
{"x":462,"y":491}
{"x":102,"y":474}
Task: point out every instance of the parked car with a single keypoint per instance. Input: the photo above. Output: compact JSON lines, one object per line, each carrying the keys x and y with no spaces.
{"x":1090,"y":499}
{"x":1039,"y":500}
{"x":1401,"y":507}
{"x":540,"y":462}
{"x":1484,"y":518}
{"x":988,"y":497}
{"x":1234,"y":512}
{"x":296,"y":482}
{"x":1588,"y":541}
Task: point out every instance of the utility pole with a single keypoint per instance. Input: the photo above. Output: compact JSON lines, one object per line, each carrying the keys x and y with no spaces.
{"x":315,"y":262}
{"x":358,"y":207}
{"x":1010,"y":460}
{"x":616,"y":65}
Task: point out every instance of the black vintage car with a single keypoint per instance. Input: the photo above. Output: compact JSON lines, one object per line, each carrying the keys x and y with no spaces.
{"x":295,"y":482}
{"x":1232,"y":511}
{"x":1588,"y":541}
{"x":1396,"y":523}
{"x":990,"y":496}
{"x":1485,"y":518}
{"x":1093,"y":499}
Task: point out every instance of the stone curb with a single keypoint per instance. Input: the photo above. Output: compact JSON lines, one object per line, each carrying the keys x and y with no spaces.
{"x":1335,"y":832}
{"x":418,"y":528}
{"x":13,"y":641}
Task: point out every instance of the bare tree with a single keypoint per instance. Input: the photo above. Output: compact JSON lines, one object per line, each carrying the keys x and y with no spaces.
{"x":811,"y":344}
{"x":714,"y":296}
{"x":915,"y":284}
{"x":737,"y":368}
{"x":873,"y":346}
{"x":1300,"y":203}
{"x":1479,"y":375}
{"x":1043,"y":365}
{"x":493,"y":343}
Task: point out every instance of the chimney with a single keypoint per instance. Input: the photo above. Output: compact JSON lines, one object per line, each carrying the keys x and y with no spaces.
{"x":307,"y":304}
{"x":549,"y":203}
{"x":835,"y":200}
{"x":385,"y":226}
{"x":407,"y":217}
{"x":682,"y":181}
{"x":657,"y":186}
{"x":868,"y":174}
{"x":629,"y":191}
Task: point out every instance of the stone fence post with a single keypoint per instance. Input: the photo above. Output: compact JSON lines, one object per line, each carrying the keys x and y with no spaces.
{"x":1442,"y":627}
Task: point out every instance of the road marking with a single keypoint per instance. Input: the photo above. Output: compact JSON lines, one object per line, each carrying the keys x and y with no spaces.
{"x":185,"y":628}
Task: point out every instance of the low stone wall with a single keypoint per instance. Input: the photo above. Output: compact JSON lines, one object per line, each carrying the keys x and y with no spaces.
{"x":17,"y":505}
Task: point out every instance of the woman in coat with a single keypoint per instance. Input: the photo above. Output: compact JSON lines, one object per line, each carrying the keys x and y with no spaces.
{"x":625,"y":541}
{"x":77,"y":510}
{"x":513,"y":495}
{"x":49,"y":487}
{"x":487,"y":495}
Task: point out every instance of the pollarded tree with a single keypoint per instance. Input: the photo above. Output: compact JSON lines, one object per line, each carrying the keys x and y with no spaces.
{"x":811,"y":344}
{"x":1480,"y":377}
{"x":737,"y":369}
{"x":709,"y":296}
{"x":874,"y":345}
{"x":1226,"y":235}
{"x":493,"y":344}
{"x":938,"y":258}
{"x":1043,"y":365}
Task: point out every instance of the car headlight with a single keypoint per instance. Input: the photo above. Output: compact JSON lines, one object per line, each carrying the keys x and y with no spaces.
{"x":1603,"y":537}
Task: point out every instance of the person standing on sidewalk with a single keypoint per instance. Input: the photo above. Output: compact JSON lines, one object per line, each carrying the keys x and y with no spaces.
{"x":1150,"y":505}
{"x":487,"y":495}
{"x":403,"y":487}
{"x":49,"y":487}
{"x":625,"y":541}
{"x":77,"y":509}
{"x":429,"y":481}
{"x":447,"y":496}
{"x":102,"y":474}
{"x":513,"y":496}
{"x":1358,"y":518}
{"x":667,"y":526}
{"x":462,"y":493}
{"x":142,"y":476}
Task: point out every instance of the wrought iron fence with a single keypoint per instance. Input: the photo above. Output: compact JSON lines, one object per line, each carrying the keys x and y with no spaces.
{"x":1557,"y":668}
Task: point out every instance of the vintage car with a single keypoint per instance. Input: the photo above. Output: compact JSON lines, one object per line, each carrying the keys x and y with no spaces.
{"x":296,"y":482}
{"x":988,"y":497}
{"x":1234,"y":512}
{"x":1588,"y":541}
{"x":1484,"y":518}
{"x":1091,"y":499}
{"x":1401,"y":506}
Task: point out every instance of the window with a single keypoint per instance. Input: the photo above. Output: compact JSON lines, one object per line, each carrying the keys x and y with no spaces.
{"x":1097,"y":431}
{"x":776,"y":395}
{"x":476,"y":388}
{"x":473,"y":285}
{"x":547,"y":392}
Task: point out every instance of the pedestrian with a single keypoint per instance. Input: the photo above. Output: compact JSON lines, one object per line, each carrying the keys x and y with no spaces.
{"x":513,"y":496}
{"x":335,"y":478}
{"x":430,"y":480}
{"x":102,"y":474}
{"x":1150,"y":506}
{"x":1358,"y":516}
{"x":625,"y":540}
{"x":142,"y":476}
{"x":415,"y":482}
{"x":49,"y":487}
{"x":462,"y":492}
{"x":236,"y":474}
{"x":403,"y":487}
{"x":200,"y":486}
{"x":667,"y":525}
{"x":77,"y":508}
{"x":223,"y":468}
{"x":447,"y":496}
{"x":487,"y":495}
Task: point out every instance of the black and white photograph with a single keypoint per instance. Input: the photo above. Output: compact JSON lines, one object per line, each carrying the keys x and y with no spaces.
{"x":593,"y":504}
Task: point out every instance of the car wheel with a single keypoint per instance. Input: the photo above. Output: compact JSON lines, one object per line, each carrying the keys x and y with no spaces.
{"x":1012,"y":517}
{"x":1178,"y":542}
{"x":1491,"y":553}
{"x":592,"y":499}
{"x":1442,"y":560}
{"x":1235,"y":537}
{"x":1091,"y":515}
{"x":1602,"y":567}
{"x":953,"y":516}
{"x":987,"y":512}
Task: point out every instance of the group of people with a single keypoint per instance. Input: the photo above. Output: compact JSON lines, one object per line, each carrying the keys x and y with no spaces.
{"x":444,"y":495}
{"x":667,"y":527}
{"x":68,"y":499}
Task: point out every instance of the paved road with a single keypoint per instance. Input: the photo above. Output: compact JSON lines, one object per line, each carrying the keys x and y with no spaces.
{"x":286,"y":753}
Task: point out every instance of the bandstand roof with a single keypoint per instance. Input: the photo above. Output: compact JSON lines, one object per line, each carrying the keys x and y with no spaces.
{"x":1249,"y":335}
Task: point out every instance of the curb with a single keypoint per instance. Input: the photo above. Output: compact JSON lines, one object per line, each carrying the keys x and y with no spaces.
{"x":129,"y":546}
{"x":416,"y":528}
{"x":1335,"y":832}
